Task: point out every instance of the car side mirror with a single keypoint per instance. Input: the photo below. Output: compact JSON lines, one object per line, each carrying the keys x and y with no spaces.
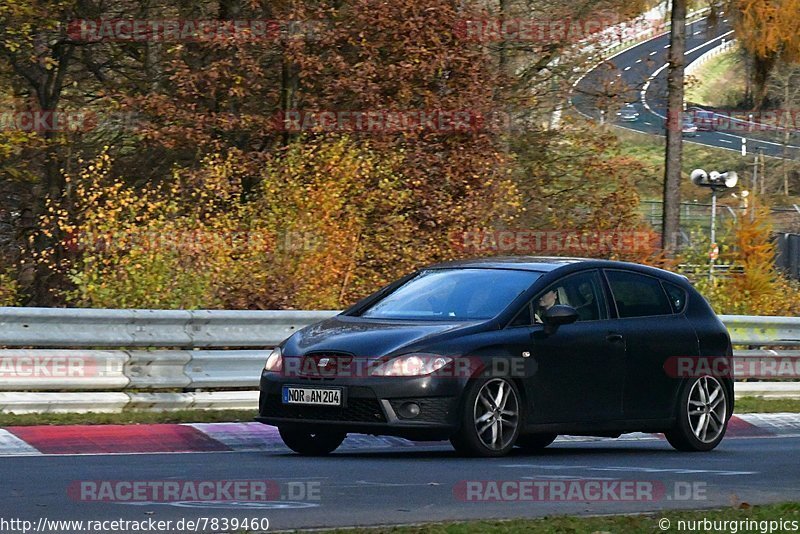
{"x":558,"y":315}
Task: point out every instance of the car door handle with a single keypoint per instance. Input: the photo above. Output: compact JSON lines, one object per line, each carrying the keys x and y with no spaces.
{"x":614,"y":337}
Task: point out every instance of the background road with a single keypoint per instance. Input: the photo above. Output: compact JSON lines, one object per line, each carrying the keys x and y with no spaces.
{"x":402,"y":484}
{"x":642,"y":68}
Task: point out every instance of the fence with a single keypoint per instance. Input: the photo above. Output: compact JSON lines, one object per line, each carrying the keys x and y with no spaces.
{"x":113,"y":360}
{"x":788,"y":256}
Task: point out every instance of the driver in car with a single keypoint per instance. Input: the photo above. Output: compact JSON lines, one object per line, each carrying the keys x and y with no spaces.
{"x":546,"y":301}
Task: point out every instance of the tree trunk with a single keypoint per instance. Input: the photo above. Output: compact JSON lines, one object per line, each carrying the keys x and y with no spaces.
{"x":787,"y":133}
{"x":762,"y":67}
{"x":672,"y":168}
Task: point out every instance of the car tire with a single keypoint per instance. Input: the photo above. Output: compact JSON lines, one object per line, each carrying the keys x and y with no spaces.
{"x":535,"y":442}
{"x":489,"y":429}
{"x":311,"y":443}
{"x":703,"y":407}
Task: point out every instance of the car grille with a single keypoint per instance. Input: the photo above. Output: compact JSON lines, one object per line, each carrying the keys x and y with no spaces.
{"x":358,"y":410}
{"x":336,"y":364}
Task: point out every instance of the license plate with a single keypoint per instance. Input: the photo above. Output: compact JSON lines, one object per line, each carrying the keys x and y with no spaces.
{"x":314,"y":396}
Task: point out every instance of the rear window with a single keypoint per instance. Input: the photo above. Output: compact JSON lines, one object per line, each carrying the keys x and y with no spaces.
{"x":637,"y":295}
{"x":677,"y":296}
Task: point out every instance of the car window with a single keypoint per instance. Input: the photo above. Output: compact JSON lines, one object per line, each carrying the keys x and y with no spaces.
{"x":637,"y":295}
{"x":453,"y":294}
{"x":523,"y":318}
{"x":582,"y":291}
{"x":677,"y":296}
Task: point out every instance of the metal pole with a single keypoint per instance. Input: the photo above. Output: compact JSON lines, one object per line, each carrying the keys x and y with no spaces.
{"x":713,"y":216}
{"x":713,"y":233}
{"x":753,"y":189}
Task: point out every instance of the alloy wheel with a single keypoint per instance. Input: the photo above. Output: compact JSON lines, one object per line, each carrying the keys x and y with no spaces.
{"x":496,"y":414}
{"x":707,"y":409}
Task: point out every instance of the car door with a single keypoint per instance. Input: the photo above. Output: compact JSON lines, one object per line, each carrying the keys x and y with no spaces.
{"x":655,"y":330}
{"x":574,"y":374}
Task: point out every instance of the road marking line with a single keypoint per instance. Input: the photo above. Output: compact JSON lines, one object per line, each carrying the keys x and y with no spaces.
{"x":627,"y":68}
{"x":654,"y":53}
{"x":545,"y":466}
{"x":633,"y":469}
{"x":390,"y":484}
{"x":696,"y":48}
{"x":672,"y":470}
{"x":568,"y":477}
{"x":664,"y":66}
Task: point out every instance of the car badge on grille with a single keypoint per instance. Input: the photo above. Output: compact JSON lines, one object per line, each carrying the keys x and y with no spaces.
{"x":323,"y":362}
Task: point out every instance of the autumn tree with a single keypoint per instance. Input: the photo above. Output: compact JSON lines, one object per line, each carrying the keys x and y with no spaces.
{"x":767,"y":29}
{"x":208,"y":107}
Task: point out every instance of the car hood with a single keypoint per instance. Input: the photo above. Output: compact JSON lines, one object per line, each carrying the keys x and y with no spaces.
{"x":369,"y":338}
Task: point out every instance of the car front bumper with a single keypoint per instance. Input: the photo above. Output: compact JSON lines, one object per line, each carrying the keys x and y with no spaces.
{"x":370,"y":405}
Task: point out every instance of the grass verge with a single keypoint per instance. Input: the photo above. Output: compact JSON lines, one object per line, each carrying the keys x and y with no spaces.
{"x":760,"y":516}
{"x":649,"y":150}
{"x":762,"y":405}
{"x":718,"y":83}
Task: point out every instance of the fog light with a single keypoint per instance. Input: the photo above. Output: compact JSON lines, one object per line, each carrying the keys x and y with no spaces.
{"x":409,"y":410}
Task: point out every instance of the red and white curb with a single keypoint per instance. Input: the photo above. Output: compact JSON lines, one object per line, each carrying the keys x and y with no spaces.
{"x":250,"y":437}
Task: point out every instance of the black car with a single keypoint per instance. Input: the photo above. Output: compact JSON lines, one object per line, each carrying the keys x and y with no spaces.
{"x":497,"y":352}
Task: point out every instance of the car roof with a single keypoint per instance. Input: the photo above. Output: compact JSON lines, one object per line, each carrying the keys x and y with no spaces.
{"x":548,"y":264}
{"x":522,"y":263}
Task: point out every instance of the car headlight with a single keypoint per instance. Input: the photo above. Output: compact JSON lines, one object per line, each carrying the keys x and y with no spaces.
{"x":274,"y":362}
{"x":411,"y":365}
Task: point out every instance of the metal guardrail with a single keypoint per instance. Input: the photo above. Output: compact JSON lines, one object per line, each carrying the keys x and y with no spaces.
{"x":58,"y":327}
{"x":762,"y":330}
{"x":91,"y":360}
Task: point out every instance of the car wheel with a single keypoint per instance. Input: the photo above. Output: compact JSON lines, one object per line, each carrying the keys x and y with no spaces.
{"x":702,"y":415}
{"x":490,"y":418}
{"x":535,"y":441}
{"x":311,"y":443}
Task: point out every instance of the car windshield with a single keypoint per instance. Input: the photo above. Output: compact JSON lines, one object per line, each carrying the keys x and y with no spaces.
{"x":453,"y":295}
